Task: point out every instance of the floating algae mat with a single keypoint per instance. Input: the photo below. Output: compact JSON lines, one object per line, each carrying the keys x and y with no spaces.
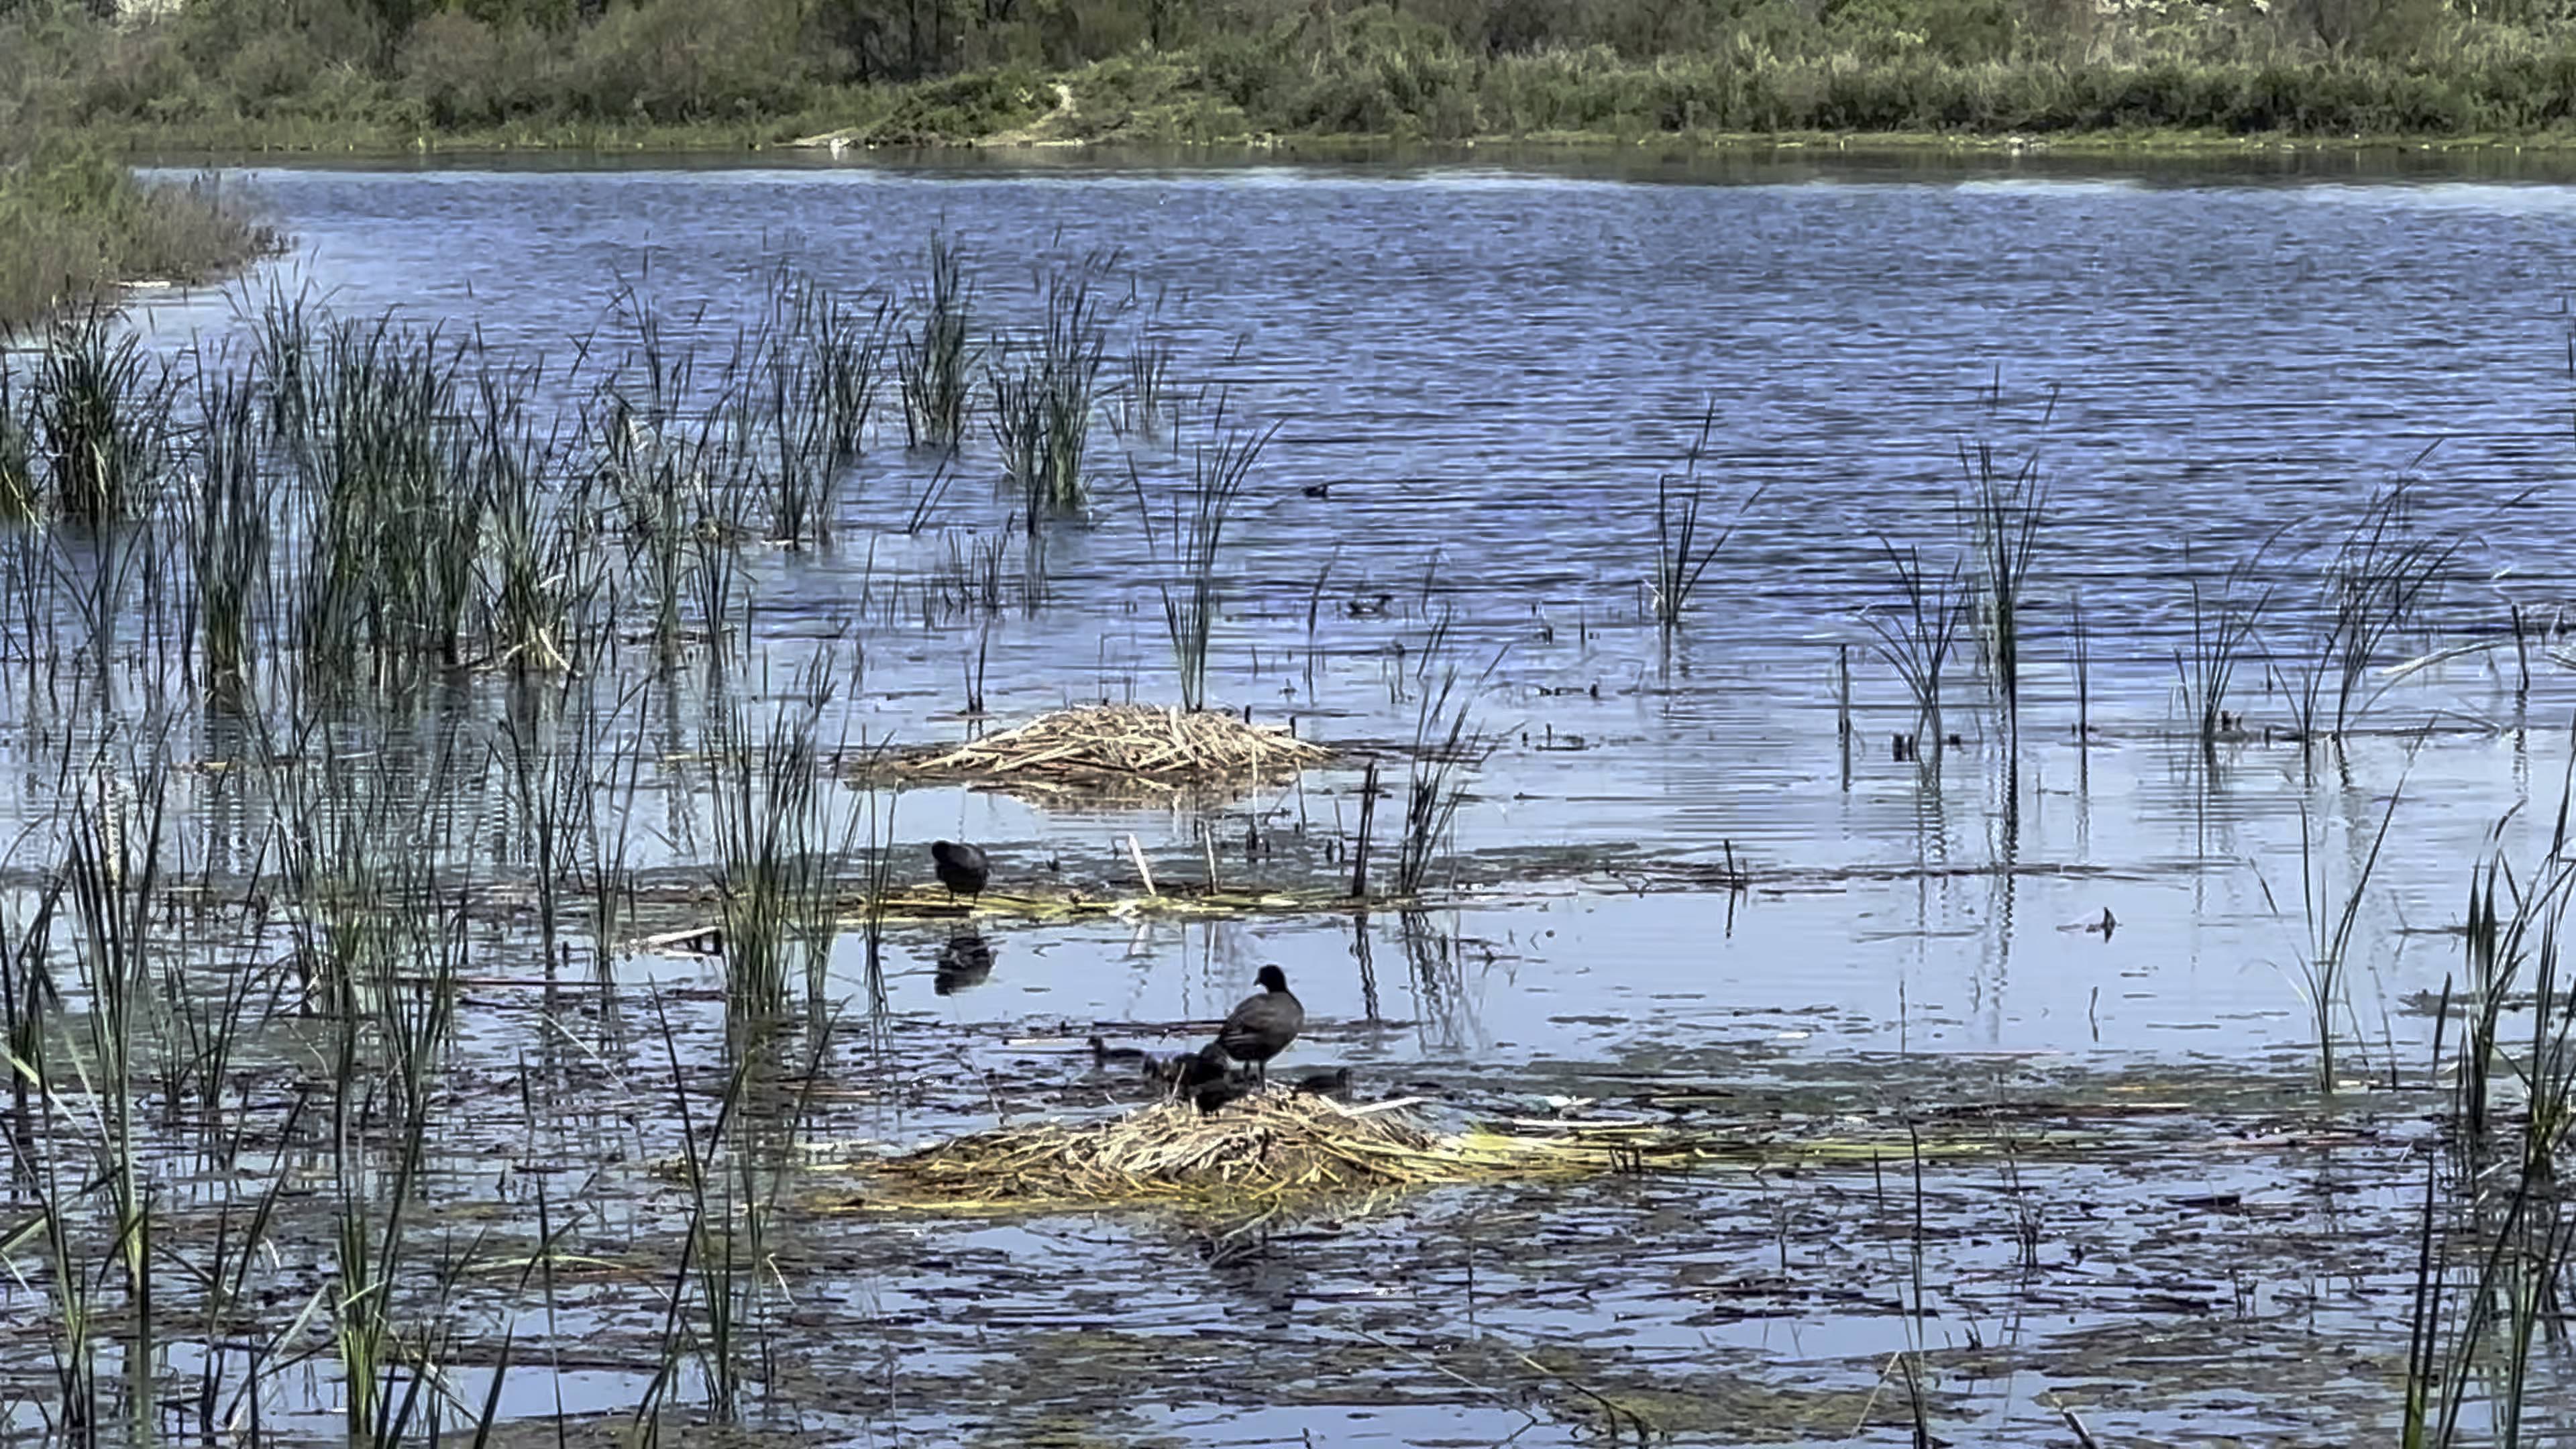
{"x":1268,"y":1149}
{"x":1120,"y":748}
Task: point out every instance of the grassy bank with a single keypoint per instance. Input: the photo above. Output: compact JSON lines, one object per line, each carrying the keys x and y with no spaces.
{"x":74,"y":225}
{"x":396,"y":74}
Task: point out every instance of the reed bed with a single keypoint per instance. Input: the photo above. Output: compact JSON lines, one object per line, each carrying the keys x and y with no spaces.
{"x":1121,"y":747}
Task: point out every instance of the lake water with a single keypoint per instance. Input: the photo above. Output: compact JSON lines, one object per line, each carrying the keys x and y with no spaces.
{"x":1478,"y":371}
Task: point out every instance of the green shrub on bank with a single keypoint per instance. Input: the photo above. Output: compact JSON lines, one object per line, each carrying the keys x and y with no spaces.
{"x":380,"y":73}
{"x":74,"y":223}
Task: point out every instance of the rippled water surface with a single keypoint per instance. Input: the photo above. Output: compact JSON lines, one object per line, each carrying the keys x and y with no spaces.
{"x":1478,"y":373}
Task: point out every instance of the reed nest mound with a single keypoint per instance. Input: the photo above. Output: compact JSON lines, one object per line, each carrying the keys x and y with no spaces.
{"x":1120,"y":749}
{"x":1256,"y":1152}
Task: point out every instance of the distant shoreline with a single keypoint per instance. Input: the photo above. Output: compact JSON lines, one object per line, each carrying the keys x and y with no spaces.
{"x":175,"y":151}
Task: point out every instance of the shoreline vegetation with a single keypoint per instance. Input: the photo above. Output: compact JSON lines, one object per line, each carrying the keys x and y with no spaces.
{"x":76,"y":227}
{"x":236,"y":76}
{"x":205,"y":78}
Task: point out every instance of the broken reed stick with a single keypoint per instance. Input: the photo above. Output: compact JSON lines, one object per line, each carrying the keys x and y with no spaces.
{"x":1368,"y":811}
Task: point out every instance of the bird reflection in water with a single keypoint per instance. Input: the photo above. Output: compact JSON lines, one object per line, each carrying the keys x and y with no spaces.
{"x":965,"y":961}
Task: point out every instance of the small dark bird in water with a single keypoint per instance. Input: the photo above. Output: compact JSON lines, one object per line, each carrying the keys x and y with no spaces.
{"x":962,"y":868}
{"x":1103,"y":1055}
{"x":1262,"y":1026}
{"x":1335,"y":1083}
{"x":967,"y":960}
{"x":1217,"y":1094}
{"x":1317,"y":490}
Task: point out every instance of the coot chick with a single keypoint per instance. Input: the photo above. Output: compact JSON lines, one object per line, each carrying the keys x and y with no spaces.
{"x":962,"y":868}
{"x":1102,"y":1054}
{"x":1262,"y":1026}
{"x":1201,"y":1068}
{"x":1335,"y":1083}
{"x":1216,"y":1094}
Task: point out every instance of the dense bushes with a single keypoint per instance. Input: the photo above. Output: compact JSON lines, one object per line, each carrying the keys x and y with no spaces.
{"x":73,"y":222}
{"x":383,"y":72}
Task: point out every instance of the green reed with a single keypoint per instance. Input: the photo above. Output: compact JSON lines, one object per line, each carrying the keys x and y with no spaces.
{"x":395,"y":521}
{"x":1684,"y":545}
{"x":2004,"y":506}
{"x":936,"y":365}
{"x":2224,"y":628}
{"x":1448,"y":741}
{"x":658,"y":468}
{"x":776,"y":837}
{"x":539,"y":578}
{"x":1074,"y":341}
{"x":282,"y":327}
{"x":2332,"y":917}
{"x":100,"y":406}
{"x":21,"y":500}
{"x":1018,"y":424}
{"x":1917,"y":641}
{"x":229,"y":537}
{"x":1146,"y":394}
{"x":839,"y":347}
{"x":2377,"y":579}
{"x":1220,"y":465}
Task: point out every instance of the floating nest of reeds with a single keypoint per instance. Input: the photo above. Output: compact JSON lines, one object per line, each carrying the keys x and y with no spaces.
{"x":1281,"y":1151}
{"x":1257,"y":1153}
{"x":1109,"y":749}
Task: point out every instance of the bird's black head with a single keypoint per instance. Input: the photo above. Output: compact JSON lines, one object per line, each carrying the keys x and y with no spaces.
{"x":1272,"y":979}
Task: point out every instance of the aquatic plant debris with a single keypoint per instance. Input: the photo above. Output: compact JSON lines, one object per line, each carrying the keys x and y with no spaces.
{"x":1110,"y":748}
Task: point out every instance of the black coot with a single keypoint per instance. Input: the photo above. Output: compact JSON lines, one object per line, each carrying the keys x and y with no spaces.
{"x":1262,"y":1026}
{"x":962,"y":868}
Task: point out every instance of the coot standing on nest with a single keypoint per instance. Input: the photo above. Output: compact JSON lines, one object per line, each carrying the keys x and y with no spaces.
{"x":962,"y":868}
{"x":1262,"y":1026}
